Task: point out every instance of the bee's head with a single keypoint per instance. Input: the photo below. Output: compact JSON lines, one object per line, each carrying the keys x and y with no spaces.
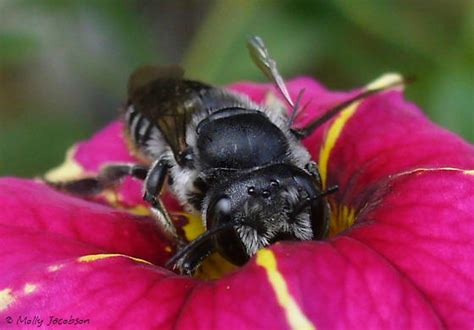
{"x":278,"y":202}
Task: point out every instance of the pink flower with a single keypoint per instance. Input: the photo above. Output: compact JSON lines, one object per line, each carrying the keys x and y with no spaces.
{"x":400,"y":255}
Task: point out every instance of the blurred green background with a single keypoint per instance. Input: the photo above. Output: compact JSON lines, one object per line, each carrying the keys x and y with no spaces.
{"x":64,"y":64}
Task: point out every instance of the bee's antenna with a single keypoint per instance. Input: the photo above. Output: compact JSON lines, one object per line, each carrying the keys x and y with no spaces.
{"x":297,"y":109}
{"x":308,"y":201}
{"x":261,"y":57}
{"x":317,"y":122}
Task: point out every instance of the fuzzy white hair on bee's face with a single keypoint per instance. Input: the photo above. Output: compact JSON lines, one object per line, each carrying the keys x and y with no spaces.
{"x":271,"y":223}
{"x":265,"y":206}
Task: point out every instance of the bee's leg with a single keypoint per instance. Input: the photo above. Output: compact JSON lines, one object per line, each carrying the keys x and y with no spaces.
{"x":188,"y":264}
{"x":152,"y":188}
{"x":108,"y":176}
{"x":163,"y":218}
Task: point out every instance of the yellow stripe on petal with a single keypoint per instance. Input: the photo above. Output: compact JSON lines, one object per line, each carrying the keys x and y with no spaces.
{"x":338,"y":124}
{"x":386,"y":80}
{"x":95,"y":257}
{"x":332,"y":135}
{"x":294,"y":314}
{"x":433,"y":169}
{"x":6,"y":299}
{"x":68,"y":170}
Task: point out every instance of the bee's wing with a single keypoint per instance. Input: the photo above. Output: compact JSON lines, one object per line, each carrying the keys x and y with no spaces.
{"x":162,"y":95}
{"x":260,"y":55}
{"x":262,"y":59}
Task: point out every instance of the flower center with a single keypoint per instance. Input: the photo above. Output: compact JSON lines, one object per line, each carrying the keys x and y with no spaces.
{"x":342,"y":217}
{"x":215,"y":266}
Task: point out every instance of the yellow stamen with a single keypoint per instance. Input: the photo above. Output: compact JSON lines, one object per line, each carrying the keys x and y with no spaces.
{"x":214,"y":267}
{"x":342,"y":218}
{"x":194,"y":227}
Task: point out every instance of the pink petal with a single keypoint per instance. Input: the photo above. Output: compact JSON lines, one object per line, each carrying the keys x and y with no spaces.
{"x":388,"y":135}
{"x":40,"y":225}
{"x":117,"y":291}
{"x":422,"y":224}
{"x":407,"y":263}
{"x":106,"y":146}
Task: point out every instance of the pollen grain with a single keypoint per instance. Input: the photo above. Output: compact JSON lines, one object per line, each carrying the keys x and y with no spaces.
{"x":29,"y":288}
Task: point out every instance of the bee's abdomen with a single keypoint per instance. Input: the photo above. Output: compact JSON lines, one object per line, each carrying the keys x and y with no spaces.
{"x":142,"y":131}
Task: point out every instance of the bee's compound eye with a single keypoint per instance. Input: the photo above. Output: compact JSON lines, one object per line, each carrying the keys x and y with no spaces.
{"x":223,"y":206}
{"x":219,"y":212}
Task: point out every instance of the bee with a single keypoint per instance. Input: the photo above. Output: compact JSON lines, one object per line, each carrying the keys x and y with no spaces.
{"x":240,"y":165}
